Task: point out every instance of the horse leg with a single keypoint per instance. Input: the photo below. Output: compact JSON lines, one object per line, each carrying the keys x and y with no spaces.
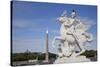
{"x":81,"y":47}
{"x":60,"y":54}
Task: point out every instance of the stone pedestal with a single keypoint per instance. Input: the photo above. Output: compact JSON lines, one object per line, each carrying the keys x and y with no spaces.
{"x":71,"y":59}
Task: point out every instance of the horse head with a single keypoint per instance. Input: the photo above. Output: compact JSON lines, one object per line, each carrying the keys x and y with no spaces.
{"x":66,"y":21}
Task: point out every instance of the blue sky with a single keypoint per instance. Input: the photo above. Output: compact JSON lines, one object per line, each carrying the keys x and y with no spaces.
{"x":32,"y":19}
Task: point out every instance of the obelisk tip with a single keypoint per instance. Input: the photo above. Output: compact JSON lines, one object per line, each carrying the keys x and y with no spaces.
{"x":47,"y":31}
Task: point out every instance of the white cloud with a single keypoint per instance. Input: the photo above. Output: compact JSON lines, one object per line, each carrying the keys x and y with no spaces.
{"x":21,"y":45}
{"x":35,"y":45}
{"x":30,"y":24}
{"x":22,"y":23}
{"x":92,"y":45}
{"x":87,"y":21}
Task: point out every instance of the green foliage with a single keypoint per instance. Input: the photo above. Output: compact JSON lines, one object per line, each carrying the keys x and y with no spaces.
{"x":23,"y":56}
{"x":41,"y":56}
{"x":90,"y":53}
{"x":30,"y":56}
{"x":52,"y":56}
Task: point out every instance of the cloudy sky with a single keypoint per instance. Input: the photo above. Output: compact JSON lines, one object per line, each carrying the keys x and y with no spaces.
{"x":31,"y":20}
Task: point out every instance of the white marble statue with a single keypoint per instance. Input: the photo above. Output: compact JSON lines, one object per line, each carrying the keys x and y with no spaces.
{"x":73,"y":33}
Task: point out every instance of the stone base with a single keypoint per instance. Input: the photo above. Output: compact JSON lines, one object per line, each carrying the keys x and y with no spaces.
{"x":71,"y":59}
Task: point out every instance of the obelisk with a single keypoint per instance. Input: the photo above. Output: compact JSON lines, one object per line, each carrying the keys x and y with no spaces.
{"x":46,"y":54}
